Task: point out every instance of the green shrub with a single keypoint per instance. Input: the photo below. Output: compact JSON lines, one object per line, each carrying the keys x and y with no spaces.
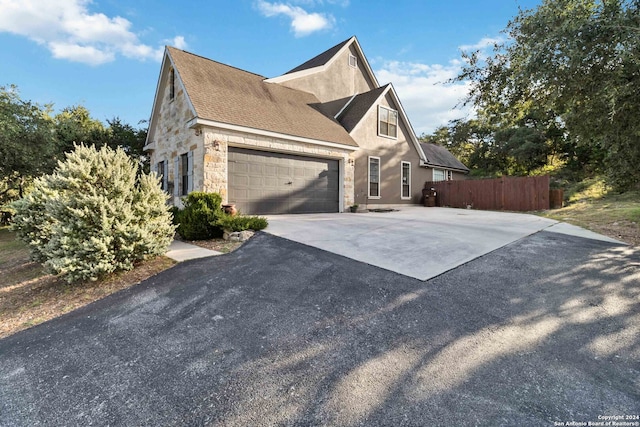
{"x":97,"y":213}
{"x":198,"y":220}
{"x":242,"y":223}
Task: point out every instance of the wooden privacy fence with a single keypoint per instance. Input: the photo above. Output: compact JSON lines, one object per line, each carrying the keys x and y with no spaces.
{"x":529,"y":193}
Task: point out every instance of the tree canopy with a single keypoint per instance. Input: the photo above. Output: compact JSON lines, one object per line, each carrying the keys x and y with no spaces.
{"x":33,"y":139}
{"x":566,"y":83}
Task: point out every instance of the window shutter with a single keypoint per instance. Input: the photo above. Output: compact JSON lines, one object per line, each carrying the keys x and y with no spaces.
{"x":190,"y":171}
{"x":165,"y":175}
{"x":176,"y":176}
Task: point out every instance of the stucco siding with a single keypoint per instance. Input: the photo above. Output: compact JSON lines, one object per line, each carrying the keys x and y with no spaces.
{"x":339,"y":80}
{"x":392,"y":152}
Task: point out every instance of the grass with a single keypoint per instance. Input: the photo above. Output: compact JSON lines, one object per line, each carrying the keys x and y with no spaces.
{"x":588,"y":205}
{"x":29,"y":296}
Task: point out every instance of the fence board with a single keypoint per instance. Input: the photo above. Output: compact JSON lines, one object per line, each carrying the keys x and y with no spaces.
{"x":507,"y":193}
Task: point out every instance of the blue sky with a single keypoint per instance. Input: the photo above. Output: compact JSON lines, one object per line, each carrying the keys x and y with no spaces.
{"x":105,"y":54}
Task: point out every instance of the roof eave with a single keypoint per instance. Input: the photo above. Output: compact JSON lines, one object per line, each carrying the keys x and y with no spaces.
{"x":198,"y":121}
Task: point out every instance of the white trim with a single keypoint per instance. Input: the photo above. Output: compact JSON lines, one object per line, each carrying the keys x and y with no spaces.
{"x":402,"y":163}
{"x":384,"y":92}
{"x":403,"y":116}
{"x":433,"y":175}
{"x":321,"y":68}
{"x":405,"y":119}
{"x":345,"y":106}
{"x":389,"y":109}
{"x":369,"y":196}
{"x":198,"y":121}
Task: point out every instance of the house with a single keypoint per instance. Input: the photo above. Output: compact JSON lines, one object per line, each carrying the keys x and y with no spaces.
{"x":319,"y":138}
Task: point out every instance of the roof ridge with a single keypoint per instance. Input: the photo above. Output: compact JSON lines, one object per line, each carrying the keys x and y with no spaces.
{"x":307,"y":64}
{"x":217,"y":62}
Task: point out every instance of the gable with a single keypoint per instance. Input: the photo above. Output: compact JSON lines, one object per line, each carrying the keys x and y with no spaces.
{"x":224,"y":95}
{"x":161,"y":93}
{"x":332,"y":78}
{"x":360,"y":118}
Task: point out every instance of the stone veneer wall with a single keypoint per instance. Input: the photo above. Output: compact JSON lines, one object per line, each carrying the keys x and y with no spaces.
{"x":173,"y":138}
{"x":217,"y":141}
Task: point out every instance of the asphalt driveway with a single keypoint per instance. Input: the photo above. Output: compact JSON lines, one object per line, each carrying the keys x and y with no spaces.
{"x":543,"y":330}
{"x":416,"y":241}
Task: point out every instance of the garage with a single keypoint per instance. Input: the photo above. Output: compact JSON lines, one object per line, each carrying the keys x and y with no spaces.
{"x":262,"y":182}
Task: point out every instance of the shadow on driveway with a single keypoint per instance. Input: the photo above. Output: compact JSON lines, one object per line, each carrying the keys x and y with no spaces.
{"x":545,"y":329}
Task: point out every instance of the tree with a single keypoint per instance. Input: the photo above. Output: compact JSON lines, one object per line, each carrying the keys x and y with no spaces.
{"x":74,"y":125}
{"x":94,"y":215}
{"x":573,"y":65}
{"x":28,"y":146}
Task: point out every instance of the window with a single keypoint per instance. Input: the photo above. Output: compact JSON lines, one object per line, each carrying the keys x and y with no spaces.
{"x":172,"y":84}
{"x":374,"y":177}
{"x":438,"y":175}
{"x":186,"y":169}
{"x":387,"y":122}
{"x":163,"y":172}
{"x":449,"y":175}
{"x":353,"y":61}
{"x":405,"y":180}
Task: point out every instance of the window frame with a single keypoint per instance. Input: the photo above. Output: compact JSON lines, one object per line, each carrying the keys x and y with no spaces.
{"x":186,"y":173}
{"x":378,"y":196}
{"x":433,"y":175}
{"x":402,"y":184}
{"x":389,"y":110}
{"x":355,"y":61}
{"x":161,"y":172}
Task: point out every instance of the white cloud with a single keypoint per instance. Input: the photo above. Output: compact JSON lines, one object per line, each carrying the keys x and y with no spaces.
{"x":482,"y":45}
{"x":70,"y":31}
{"x":303,"y":23}
{"x":425,"y":94}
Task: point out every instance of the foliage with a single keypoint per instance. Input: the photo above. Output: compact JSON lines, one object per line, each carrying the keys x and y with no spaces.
{"x":28,"y":146}
{"x":32,"y":140}
{"x":242,"y":222}
{"x":198,"y":220}
{"x":94,"y":215}
{"x":570,"y":75}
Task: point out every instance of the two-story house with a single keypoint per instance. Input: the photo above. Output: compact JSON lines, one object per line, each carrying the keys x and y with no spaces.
{"x":318,"y":138}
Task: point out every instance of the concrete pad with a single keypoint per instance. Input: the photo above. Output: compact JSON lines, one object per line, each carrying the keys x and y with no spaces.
{"x":415,"y":241}
{"x":574,"y":230}
{"x":181,"y":251}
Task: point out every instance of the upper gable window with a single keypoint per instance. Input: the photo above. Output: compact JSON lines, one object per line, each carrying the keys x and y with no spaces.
{"x":387,"y":122}
{"x":172,"y":84}
{"x":353,"y":61}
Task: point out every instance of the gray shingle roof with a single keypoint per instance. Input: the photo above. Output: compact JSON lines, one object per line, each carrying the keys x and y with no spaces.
{"x":229,"y":95}
{"x":358,"y":107}
{"x":440,"y":156}
{"x":321,"y":59}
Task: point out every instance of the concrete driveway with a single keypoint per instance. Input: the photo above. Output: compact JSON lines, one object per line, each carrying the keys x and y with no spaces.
{"x":415,"y":241}
{"x":540,"y":332}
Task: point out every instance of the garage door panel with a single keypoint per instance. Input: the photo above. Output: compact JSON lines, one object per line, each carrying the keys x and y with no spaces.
{"x":271,"y":183}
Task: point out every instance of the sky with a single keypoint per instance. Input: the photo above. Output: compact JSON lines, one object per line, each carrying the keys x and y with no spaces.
{"x":105,"y":54}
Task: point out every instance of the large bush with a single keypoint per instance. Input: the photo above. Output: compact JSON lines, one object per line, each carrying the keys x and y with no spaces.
{"x":198,"y":219}
{"x":97,"y":213}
